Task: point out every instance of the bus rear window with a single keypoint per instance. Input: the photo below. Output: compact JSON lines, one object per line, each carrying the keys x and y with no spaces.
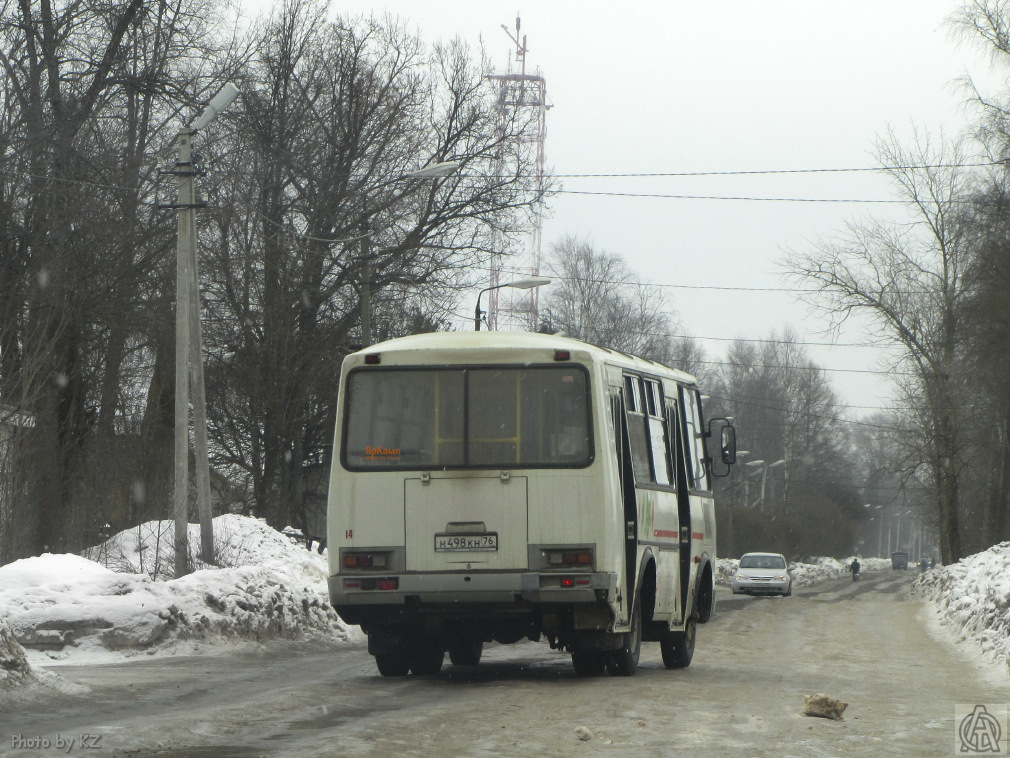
{"x":467,"y":417}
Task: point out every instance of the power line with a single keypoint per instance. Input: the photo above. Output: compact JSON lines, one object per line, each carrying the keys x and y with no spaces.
{"x":814,"y":368}
{"x":741,"y":198}
{"x":716,"y":287}
{"x":808,"y":414}
{"x":766,"y":172}
{"x":220,"y":171}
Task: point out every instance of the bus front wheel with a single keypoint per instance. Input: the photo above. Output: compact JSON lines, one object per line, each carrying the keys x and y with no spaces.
{"x":587,"y":662}
{"x":465,"y":652}
{"x":678,"y":647}
{"x":392,"y":664}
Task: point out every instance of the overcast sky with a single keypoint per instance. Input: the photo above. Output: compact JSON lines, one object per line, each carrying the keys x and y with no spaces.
{"x":717,"y":86}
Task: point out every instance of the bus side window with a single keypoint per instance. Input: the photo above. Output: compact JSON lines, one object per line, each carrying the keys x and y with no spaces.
{"x":695,"y":438}
{"x":646,"y":428}
{"x":632,"y":394}
{"x":678,"y":457}
{"x":638,"y":430}
{"x":657,"y":433}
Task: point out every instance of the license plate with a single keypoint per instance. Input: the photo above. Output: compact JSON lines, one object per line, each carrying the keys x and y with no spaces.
{"x":466,"y":543}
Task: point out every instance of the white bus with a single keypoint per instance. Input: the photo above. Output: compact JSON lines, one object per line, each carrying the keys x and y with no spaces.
{"x":494,"y":486}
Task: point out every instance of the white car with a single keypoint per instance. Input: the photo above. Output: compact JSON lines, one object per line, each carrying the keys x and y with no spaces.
{"x":763,"y":573}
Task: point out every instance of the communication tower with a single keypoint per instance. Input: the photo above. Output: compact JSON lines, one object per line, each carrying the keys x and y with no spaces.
{"x":519,"y":94}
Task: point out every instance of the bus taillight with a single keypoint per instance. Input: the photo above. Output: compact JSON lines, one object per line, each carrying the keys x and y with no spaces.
{"x":570,"y":558}
{"x":391,"y":583}
{"x":364,"y":560}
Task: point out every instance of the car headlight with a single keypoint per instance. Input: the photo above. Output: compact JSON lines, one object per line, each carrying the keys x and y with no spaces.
{"x":782,"y":577}
{"x":740,"y":576}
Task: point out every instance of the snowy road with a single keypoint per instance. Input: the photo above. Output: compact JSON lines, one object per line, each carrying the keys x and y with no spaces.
{"x":863,"y":643}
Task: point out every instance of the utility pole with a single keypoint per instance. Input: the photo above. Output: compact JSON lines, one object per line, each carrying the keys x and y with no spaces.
{"x":189,"y":351}
{"x":366,"y":282}
{"x":183,"y":295}
{"x":433,"y":171}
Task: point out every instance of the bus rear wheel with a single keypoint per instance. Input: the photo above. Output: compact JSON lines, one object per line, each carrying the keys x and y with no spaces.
{"x":426,"y":657}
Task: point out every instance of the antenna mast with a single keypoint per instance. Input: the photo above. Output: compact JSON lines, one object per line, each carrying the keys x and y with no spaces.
{"x":517,"y":92}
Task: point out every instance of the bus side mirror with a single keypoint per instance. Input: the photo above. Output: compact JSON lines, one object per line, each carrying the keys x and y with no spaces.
{"x":727,"y":444}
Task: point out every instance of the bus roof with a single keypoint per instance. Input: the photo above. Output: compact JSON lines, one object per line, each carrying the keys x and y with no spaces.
{"x":482,"y":342}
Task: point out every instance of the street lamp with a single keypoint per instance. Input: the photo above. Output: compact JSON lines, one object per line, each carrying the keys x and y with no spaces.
{"x":764,"y":477}
{"x":519,"y":284}
{"x":188,"y":350}
{"x":897,"y":539}
{"x":730,"y":546}
{"x":434,"y":171}
{"x":880,"y":527}
{"x":746,"y":480}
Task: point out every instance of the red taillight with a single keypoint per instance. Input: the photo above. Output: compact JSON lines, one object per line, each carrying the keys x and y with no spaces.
{"x":562,"y":355}
{"x":390,"y":583}
{"x":567,"y":581}
{"x":569,"y":558}
{"x":373,"y":359}
{"x":364,"y":560}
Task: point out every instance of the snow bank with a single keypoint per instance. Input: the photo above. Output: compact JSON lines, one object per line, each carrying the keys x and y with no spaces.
{"x":14,"y":667}
{"x":804,"y":574}
{"x":972,"y":599}
{"x":271,"y":588}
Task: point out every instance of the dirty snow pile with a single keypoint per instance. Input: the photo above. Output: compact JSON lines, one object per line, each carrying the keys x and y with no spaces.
{"x":972,"y":598}
{"x":14,"y":667}
{"x":804,"y":574}
{"x":126,"y":600}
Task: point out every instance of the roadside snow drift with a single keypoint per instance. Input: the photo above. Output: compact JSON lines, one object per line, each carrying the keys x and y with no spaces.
{"x":14,"y":667}
{"x":271,"y":588}
{"x":972,"y":598}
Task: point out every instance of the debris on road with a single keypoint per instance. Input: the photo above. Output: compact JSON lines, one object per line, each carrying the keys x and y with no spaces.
{"x":824,"y":706}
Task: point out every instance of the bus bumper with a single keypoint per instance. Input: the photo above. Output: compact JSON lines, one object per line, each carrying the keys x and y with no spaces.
{"x":529,"y":587}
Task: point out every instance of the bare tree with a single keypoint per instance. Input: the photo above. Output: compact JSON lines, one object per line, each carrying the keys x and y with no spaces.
{"x":598,"y":299}
{"x":88,"y":89}
{"x":910,"y":278}
{"x":788,"y":417}
{"x":986,"y":23}
{"x":317,"y":199}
